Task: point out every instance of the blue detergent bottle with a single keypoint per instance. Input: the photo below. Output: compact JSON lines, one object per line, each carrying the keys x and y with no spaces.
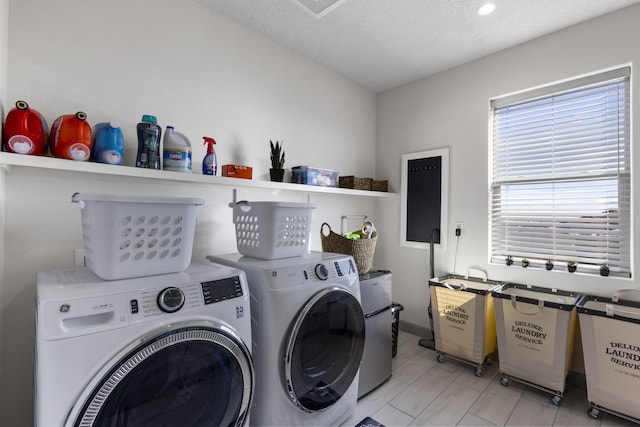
{"x":108,"y":143}
{"x":210,"y":161}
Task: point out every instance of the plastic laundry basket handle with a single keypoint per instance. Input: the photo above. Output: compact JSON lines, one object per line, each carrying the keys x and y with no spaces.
{"x":616,"y":295}
{"x":514,"y":303}
{"x":479,"y":269}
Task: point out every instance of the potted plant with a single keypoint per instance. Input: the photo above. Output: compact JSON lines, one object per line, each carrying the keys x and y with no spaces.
{"x":525,"y":262}
{"x":572,"y":266}
{"x":277,"y":162}
{"x":604,"y":270}
{"x":509,"y":260}
{"x":548,"y":265}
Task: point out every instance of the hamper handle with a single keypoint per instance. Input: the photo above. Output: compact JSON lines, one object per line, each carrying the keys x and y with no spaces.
{"x":611,"y":311}
{"x":515,"y":306}
{"x":461,"y":286}
{"x":322,"y":229}
{"x":616,"y":295}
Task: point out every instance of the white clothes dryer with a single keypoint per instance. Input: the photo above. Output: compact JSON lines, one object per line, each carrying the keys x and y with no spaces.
{"x":162,"y":350}
{"x":308,"y":337}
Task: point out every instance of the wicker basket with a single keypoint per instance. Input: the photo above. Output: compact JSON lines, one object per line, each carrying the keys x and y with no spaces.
{"x":379,"y":185}
{"x":361,"y":250}
{"x":354,"y":182}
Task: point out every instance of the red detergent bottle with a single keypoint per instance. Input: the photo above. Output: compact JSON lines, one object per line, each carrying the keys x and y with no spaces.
{"x":25,"y":131}
{"x":70,"y":137}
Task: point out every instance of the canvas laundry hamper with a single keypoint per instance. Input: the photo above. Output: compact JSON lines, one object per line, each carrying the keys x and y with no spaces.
{"x":463,"y":319}
{"x":536,"y":331}
{"x":610,"y":328}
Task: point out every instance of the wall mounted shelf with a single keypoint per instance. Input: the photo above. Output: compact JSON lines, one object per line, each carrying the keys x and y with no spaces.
{"x":11,"y":160}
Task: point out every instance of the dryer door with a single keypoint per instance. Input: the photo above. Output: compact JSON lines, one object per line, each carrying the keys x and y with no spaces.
{"x":189,"y":376}
{"x":324,"y":349}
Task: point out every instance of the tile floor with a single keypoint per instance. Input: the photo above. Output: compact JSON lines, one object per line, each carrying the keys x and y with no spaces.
{"x":423,"y":392}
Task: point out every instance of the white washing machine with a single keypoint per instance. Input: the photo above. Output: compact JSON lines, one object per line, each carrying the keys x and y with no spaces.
{"x":308,"y":337}
{"x":163,"y":350}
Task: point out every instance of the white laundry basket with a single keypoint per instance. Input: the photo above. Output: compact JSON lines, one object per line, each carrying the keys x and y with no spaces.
{"x":272,"y":230}
{"x":610,"y":328}
{"x":126,"y":236}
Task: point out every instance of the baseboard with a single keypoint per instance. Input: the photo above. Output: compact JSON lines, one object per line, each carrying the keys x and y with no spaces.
{"x":414,"y":329}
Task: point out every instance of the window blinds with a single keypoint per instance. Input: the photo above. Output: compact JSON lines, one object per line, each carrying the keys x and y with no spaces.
{"x":560,"y":174}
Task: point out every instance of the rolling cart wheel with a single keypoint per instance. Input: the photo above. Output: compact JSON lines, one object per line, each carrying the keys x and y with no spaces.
{"x":556,"y":400}
{"x":504,"y":381}
{"x":478,"y":372}
{"x":440,"y":358}
{"x":593,"y":413}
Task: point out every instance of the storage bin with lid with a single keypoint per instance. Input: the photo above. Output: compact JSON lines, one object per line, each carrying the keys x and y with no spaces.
{"x":126,"y":236}
{"x":610,"y":328}
{"x":314,"y":176}
{"x":535,"y":328}
{"x":272,"y":230}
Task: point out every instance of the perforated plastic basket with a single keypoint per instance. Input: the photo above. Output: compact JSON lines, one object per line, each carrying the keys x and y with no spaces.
{"x":272,"y":230}
{"x":136,"y":236}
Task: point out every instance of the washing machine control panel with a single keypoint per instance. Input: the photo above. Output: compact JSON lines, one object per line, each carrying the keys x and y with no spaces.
{"x":170,"y":299}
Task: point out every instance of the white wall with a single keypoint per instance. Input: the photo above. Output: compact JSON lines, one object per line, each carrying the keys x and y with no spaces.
{"x":451,"y":109}
{"x":192,"y":69}
{"x":4,"y":37}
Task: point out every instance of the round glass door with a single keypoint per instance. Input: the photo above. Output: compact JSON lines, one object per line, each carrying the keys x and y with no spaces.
{"x":324,"y":349}
{"x":191,"y":376}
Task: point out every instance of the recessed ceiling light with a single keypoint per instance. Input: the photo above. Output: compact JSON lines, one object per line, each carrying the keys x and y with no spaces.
{"x":486,"y":9}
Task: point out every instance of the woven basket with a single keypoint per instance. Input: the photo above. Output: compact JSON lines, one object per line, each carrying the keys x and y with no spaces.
{"x":354,"y":182}
{"x":361,"y":250}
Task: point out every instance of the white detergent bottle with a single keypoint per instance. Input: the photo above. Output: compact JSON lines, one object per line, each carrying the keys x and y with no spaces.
{"x":176,"y":151}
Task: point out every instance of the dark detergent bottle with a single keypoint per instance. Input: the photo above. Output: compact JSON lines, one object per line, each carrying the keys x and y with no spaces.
{"x":149,"y":154}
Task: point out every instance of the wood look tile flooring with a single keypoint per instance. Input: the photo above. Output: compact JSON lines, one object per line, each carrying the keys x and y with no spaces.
{"x":423,"y":392}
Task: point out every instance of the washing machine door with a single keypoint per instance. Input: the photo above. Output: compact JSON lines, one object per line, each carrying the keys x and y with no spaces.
{"x":189,"y":376}
{"x":324,"y":348}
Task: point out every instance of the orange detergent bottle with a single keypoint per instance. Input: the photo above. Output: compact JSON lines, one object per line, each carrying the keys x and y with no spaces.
{"x":25,"y":131}
{"x":70,"y":137}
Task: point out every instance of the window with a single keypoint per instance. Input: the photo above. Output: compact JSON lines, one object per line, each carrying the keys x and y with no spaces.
{"x":560,"y":174}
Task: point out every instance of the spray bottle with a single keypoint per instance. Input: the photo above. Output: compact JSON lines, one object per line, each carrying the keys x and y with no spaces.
{"x":210,"y":162}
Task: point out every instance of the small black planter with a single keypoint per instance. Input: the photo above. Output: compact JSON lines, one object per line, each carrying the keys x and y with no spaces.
{"x":277,"y":175}
{"x":572,"y":268}
{"x":508,"y":260}
{"x":548,"y":265}
{"x":525,"y":263}
{"x":604,"y":270}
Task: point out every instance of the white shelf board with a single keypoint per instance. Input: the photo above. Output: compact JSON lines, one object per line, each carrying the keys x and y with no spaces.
{"x":10,"y":160}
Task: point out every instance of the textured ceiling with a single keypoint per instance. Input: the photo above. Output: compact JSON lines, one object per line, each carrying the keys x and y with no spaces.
{"x":383,"y":44}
